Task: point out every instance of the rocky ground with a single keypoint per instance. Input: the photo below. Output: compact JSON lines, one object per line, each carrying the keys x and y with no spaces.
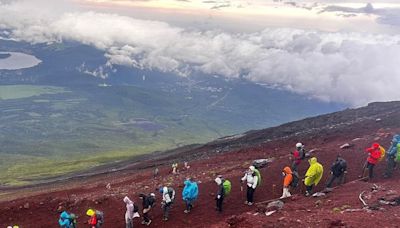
{"x":38,"y":206}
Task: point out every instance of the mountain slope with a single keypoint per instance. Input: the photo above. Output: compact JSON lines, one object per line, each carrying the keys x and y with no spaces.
{"x":230,"y":157}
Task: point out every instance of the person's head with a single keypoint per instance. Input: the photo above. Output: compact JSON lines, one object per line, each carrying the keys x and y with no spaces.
{"x":312,"y":160}
{"x":127,"y":200}
{"x":153,"y":195}
{"x":90,"y":212}
{"x":218,"y":180}
{"x":286,"y":170}
{"x":375,"y":145}
{"x":252,"y":169}
{"x":299,"y":145}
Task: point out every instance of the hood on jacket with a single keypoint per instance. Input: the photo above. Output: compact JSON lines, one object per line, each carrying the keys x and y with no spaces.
{"x":165,"y":189}
{"x":127,"y":200}
{"x":65,"y":215}
{"x":312,"y":160}
{"x":218,"y":180}
{"x":187,"y":183}
{"x":375,"y":145}
{"x":287,"y":170}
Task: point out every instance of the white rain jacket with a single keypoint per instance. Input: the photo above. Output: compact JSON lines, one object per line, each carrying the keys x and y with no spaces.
{"x":166,"y":197}
{"x":251,"y":179}
{"x":129,"y":214}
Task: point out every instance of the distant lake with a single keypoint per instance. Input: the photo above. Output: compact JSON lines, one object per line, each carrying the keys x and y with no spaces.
{"x":17,"y":60}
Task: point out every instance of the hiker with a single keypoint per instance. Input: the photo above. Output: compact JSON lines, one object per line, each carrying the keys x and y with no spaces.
{"x":313,"y":175}
{"x":67,"y":220}
{"x":220,"y":193}
{"x":298,"y":155}
{"x":186,"y":165}
{"x":96,"y":218}
{"x":287,"y":181}
{"x":174,"y":168}
{"x":251,"y":177}
{"x":338,"y":171}
{"x":374,"y":153}
{"x":156,"y":172}
{"x":190,"y":193}
{"x":131,"y":212}
{"x":147,"y":203}
{"x":168,"y":196}
{"x":391,"y":156}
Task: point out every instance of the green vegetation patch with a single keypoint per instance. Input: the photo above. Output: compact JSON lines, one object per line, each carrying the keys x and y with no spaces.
{"x":24,"y":91}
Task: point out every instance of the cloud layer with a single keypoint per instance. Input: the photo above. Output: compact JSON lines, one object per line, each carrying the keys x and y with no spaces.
{"x":351,"y":68}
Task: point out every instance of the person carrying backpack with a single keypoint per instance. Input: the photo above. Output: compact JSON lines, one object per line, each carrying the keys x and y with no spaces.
{"x":96,"y":218}
{"x":148,"y":204}
{"x":374,"y":153}
{"x":298,"y":155}
{"x":190,"y":193}
{"x":220,"y":193}
{"x":391,"y":156}
{"x":287,"y":181}
{"x":252,"y":179}
{"x":131,"y":212}
{"x":313,"y":175}
{"x":168,"y":196}
{"x":338,"y":171}
{"x":67,"y":220}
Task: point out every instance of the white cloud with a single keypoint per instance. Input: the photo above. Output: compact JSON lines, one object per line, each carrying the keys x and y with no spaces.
{"x":353,"y":68}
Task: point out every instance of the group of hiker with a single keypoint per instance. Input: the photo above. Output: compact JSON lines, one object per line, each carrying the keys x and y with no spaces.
{"x":252,"y":180}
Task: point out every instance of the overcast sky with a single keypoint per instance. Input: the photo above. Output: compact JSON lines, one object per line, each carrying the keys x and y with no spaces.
{"x":338,"y":51}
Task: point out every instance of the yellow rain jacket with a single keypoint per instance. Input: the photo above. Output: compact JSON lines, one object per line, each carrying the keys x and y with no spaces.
{"x":314,"y":172}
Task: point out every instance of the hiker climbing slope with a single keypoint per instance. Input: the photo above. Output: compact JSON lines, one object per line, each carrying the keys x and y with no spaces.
{"x":374,"y":153}
{"x":338,"y":171}
{"x":168,"y":197}
{"x":148,"y":204}
{"x":96,"y":218}
{"x":190,"y":193}
{"x":391,"y":154}
{"x":298,"y":155}
{"x":224,"y":188}
{"x":313,"y":175}
{"x":131,"y":212}
{"x":67,"y":220}
{"x":287,"y":180}
{"x":252,"y":178}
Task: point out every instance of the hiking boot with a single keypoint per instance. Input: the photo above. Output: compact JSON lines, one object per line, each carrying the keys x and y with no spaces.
{"x":307,"y":193}
{"x":250,"y":203}
{"x":165,"y":219}
{"x":148,"y":223}
{"x":186,"y":211}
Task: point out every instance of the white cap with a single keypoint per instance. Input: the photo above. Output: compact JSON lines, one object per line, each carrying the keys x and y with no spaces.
{"x":252,"y":168}
{"x":153,"y":195}
{"x":299,"y":145}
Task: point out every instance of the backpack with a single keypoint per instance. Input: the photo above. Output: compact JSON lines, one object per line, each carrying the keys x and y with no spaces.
{"x":171,"y":193}
{"x":383,"y":152}
{"x":295,"y":180}
{"x":258,"y":174}
{"x":398,"y":152}
{"x":135,"y":208}
{"x":100,"y":217}
{"x":73,"y":220}
{"x":227,"y":187}
{"x":302,"y":153}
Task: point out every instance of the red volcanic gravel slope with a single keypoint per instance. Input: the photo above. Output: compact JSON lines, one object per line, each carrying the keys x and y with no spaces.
{"x":37,"y":206}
